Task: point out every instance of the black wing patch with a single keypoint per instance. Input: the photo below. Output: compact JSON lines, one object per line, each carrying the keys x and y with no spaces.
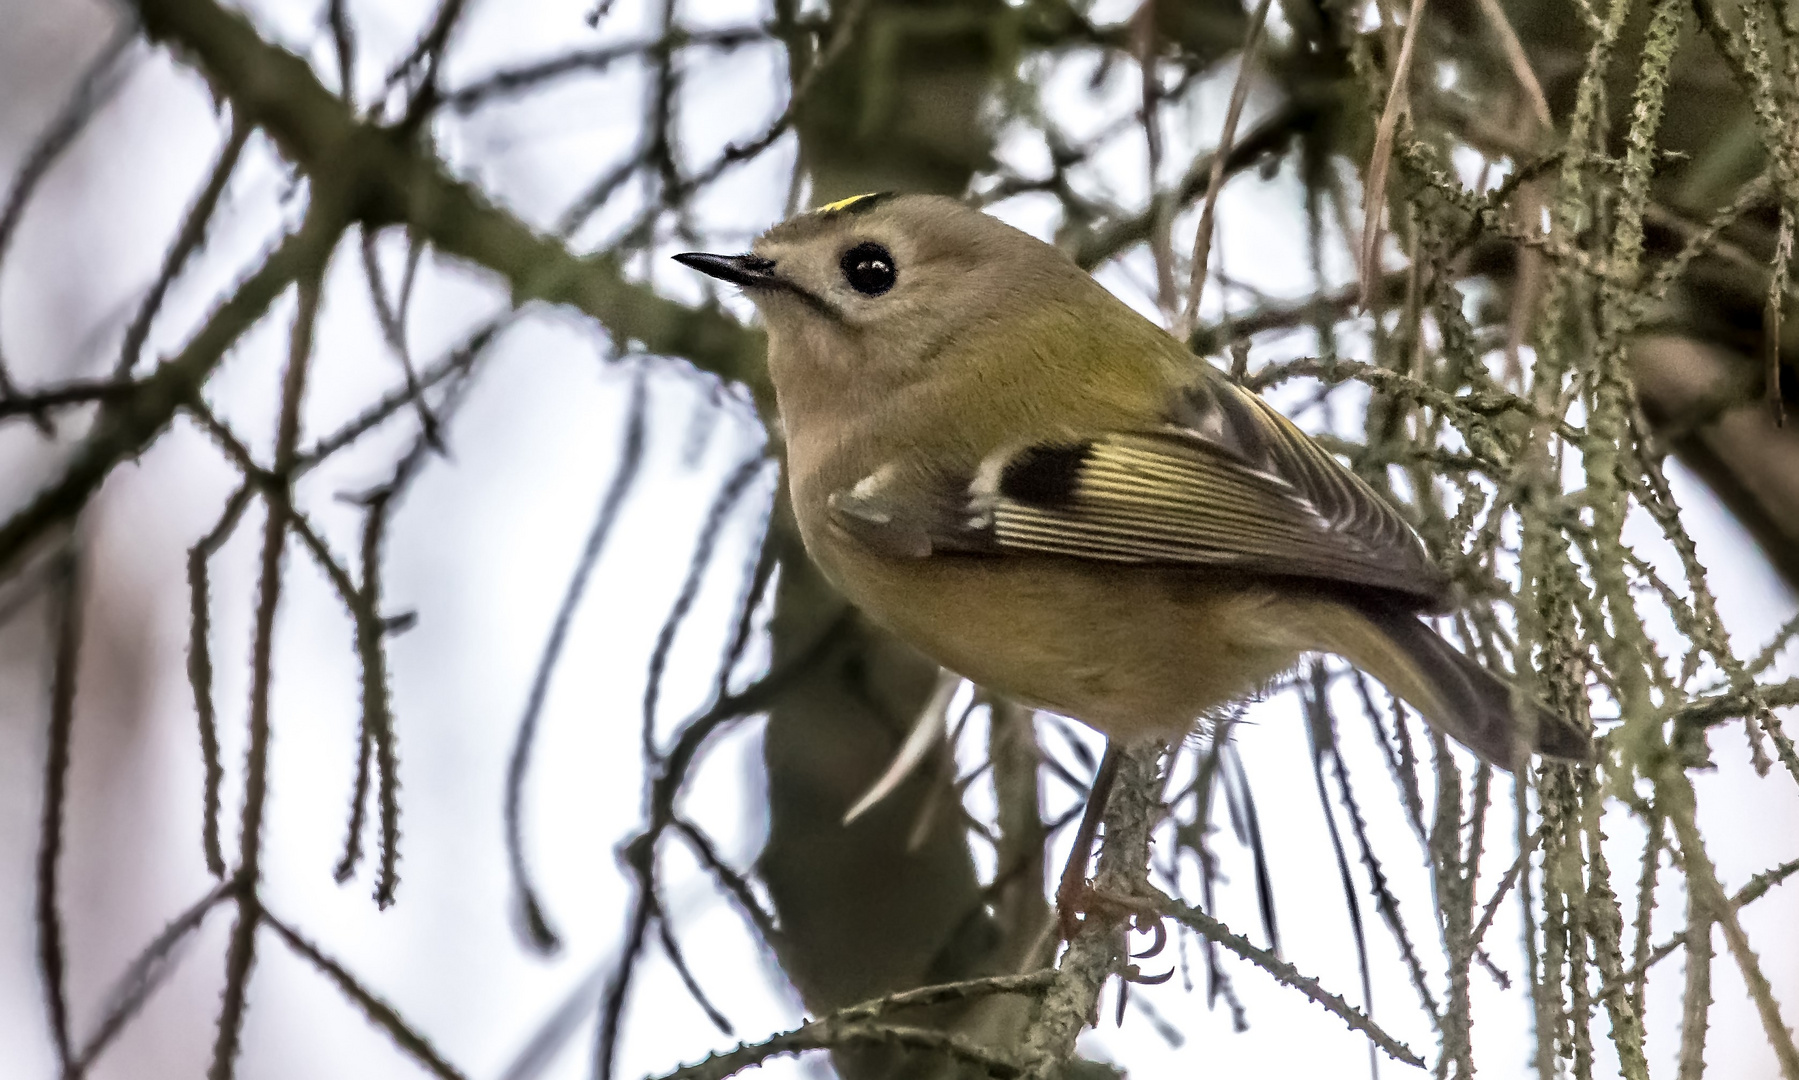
{"x":1226,"y":483}
{"x":1045,"y":476}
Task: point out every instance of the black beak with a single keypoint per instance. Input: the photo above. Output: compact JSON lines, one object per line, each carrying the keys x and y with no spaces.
{"x":749,"y":271}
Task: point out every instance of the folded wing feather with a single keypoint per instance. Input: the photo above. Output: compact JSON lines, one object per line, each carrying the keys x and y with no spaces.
{"x":1226,"y":482}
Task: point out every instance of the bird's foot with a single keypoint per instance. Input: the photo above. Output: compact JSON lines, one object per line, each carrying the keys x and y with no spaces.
{"x":1079,"y":903}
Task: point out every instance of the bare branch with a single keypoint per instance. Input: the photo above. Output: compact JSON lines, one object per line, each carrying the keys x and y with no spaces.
{"x":396,"y":181}
{"x":1202,"y":240}
{"x":241,"y":952}
{"x":829,"y":1035}
{"x":146,"y":972}
{"x":379,"y":1012}
{"x":541,"y":936}
{"x":188,"y":239}
{"x":86,"y":392}
{"x":511,"y":81}
{"x":124,"y":427}
{"x":96,"y":86}
{"x":65,"y":637}
{"x":1287,"y":975}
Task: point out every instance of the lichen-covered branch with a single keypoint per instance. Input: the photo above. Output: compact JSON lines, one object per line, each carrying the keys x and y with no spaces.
{"x":1097,"y":951}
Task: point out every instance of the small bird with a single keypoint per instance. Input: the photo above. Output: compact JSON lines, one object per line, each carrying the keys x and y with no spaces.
{"x":1043,"y":491}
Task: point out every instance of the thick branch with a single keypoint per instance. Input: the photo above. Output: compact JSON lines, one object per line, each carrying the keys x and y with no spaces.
{"x":396,"y":179}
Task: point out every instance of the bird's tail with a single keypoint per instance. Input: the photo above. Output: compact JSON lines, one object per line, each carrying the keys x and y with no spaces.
{"x":1456,"y":695}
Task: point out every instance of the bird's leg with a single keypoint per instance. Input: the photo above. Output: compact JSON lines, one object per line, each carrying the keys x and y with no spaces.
{"x":1077,"y":901}
{"x":1071,"y":894}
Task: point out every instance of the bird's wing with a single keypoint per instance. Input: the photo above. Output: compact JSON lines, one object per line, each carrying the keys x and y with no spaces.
{"x":1226,"y":482}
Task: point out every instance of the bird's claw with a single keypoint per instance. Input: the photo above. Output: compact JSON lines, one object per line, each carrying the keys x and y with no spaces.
{"x":1077,"y":904}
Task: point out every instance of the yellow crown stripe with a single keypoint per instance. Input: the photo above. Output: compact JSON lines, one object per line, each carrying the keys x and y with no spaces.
{"x":845,"y":204}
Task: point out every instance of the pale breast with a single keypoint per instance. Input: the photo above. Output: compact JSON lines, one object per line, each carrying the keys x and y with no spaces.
{"x":1127,"y":650}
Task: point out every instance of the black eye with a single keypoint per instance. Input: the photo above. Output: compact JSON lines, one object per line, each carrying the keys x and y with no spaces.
{"x":868,"y":268}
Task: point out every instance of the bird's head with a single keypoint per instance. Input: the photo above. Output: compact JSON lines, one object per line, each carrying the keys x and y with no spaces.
{"x":876,"y":287}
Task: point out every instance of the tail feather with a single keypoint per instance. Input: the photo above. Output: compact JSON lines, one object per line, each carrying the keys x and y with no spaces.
{"x":1456,"y":695}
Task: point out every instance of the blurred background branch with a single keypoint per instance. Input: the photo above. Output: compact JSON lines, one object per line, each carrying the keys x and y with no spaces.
{"x":1541,"y":265}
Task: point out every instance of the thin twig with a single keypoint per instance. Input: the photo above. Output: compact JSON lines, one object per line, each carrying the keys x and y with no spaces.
{"x":104,"y":75}
{"x":455,"y":367}
{"x":430,"y":52}
{"x":540,"y":935}
{"x":1702,"y":878}
{"x":417,"y":1047}
{"x":665,"y":784}
{"x":65,"y":637}
{"x":1756,"y":888}
{"x":83,"y":392}
{"x":507,"y":82}
{"x":729,"y":493}
{"x":848,"y":17}
{"x":735,"y":884}
{"x":678,"y":960}
{"x":1202,"y":240}
{"x":188,"y":239}
{"x":147,"y":971}
{"x":343,"y":40}
{"x":1374,"y":196}
{"x":1288,"y":975}
{"x":1321,"y":734}
{"x":199,"y":668}
{"x":241,"y":952}
{"x":1777,"y":296}
{"x":829,"y":1034}
{"x":756,"y":581}
{"x":124,"y":428}
{"x":393,"y":327}
{"x":1505,"y":885}
{"x":1519,"y":61}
